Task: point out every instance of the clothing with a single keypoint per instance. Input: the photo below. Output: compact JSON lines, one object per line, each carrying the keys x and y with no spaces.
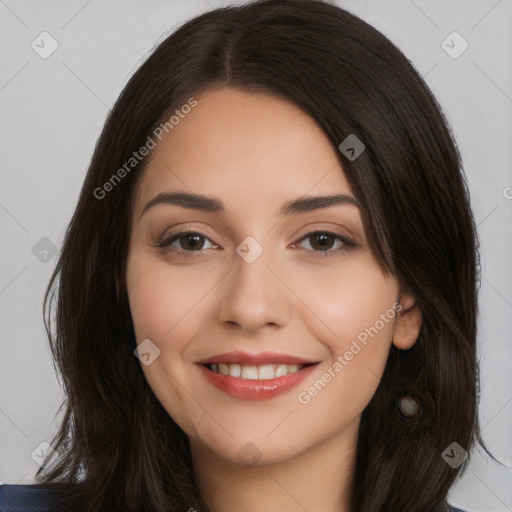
{"x":27,"y":498}
{"x":37,"y":498}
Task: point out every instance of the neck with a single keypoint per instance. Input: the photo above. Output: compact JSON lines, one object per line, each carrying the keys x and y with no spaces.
{"x":318,"y":479}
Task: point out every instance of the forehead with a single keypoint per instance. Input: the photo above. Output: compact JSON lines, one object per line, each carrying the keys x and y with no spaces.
{"x":242,"y":145}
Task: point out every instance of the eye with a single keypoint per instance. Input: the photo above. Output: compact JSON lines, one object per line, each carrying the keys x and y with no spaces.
{"x":322,"y":243}
{"x":187,"y":241}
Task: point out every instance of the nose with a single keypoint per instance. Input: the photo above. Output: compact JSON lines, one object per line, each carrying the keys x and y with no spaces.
{"x":253,"y":297}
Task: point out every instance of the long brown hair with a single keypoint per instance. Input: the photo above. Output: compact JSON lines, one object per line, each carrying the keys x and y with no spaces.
{"x":115,"y":439}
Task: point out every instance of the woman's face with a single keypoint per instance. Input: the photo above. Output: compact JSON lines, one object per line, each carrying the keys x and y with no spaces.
{"x":300,"y":321}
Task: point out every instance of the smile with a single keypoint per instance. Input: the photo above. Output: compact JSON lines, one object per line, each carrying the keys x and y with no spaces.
{"x":255,"y":377}
{"x":252,"y":372}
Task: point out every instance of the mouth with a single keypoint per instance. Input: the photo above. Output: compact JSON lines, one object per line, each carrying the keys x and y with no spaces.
{"x":255,"y":377}
{"x":256,"y":372}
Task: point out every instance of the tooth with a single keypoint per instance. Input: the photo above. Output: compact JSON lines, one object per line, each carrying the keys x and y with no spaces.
{"x":249,"y":372}
{"x":265,"y":371}
{"x":235,"y":370}
{"x":224,"y":369}
{"x":252,"y":372}
{"x":281,"y":370}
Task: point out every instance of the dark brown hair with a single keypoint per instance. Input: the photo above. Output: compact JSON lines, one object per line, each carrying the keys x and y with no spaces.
{"x":115,"y":439}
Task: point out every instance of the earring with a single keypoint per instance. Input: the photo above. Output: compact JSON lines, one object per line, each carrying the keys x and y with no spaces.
{"x":408,"y":408}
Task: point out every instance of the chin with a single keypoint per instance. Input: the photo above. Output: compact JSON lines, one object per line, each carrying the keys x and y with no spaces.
{"x":258,"y":452}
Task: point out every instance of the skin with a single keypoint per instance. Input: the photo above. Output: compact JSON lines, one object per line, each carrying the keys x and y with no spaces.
{"x":254,"y":152}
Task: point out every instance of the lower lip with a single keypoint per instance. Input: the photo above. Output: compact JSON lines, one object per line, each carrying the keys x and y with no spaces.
{"x":249,"y":389}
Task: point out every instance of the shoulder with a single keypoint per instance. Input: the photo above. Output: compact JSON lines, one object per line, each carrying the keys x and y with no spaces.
{"x":29,"y":498}
{"x":43,"y":498}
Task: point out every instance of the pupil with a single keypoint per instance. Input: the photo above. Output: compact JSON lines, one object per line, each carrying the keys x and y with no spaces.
{"x":195,"y":243}
{"x":323,"y":244}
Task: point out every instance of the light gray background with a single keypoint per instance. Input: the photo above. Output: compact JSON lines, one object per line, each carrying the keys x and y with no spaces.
{"x":52,"y":112}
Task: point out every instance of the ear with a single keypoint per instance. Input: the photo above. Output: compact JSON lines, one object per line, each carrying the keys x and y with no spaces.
{"x":408,"y":322}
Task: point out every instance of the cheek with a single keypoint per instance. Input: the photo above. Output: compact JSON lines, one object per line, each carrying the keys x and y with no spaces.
{"x":348,"y":299}
{"x":162,"y":308}
{"x":356,"y":305}
{"x":161,"y":301}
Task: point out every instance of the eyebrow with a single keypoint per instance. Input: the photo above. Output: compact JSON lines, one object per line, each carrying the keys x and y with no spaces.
{"x":211,"y":204}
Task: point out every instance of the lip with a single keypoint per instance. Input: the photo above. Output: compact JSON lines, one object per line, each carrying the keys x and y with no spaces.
{"x":240,"y":357}
{"x":249,"y":389}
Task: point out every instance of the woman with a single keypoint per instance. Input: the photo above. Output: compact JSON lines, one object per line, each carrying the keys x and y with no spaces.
{"x":267,"y":292}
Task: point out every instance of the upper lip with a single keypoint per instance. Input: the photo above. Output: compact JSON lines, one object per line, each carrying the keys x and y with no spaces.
{"x":244,"y":358}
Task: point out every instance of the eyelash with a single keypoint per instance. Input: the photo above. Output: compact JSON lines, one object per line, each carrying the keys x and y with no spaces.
{"x":167,"y":240}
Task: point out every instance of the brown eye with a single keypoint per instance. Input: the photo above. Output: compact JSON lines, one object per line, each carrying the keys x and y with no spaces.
{"x":323,"y":243}
{"x":189,"y":241}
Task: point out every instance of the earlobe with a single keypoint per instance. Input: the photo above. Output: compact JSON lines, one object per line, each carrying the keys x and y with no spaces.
{"x":408,"y":322}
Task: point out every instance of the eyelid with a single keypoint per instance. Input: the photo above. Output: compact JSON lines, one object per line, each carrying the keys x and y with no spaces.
{"x":165,"y":242}
{"x":167,"y":239}
{"x":348,"y":243}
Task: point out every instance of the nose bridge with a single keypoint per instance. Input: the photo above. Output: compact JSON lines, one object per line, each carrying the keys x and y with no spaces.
{"x":253,"y":297}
